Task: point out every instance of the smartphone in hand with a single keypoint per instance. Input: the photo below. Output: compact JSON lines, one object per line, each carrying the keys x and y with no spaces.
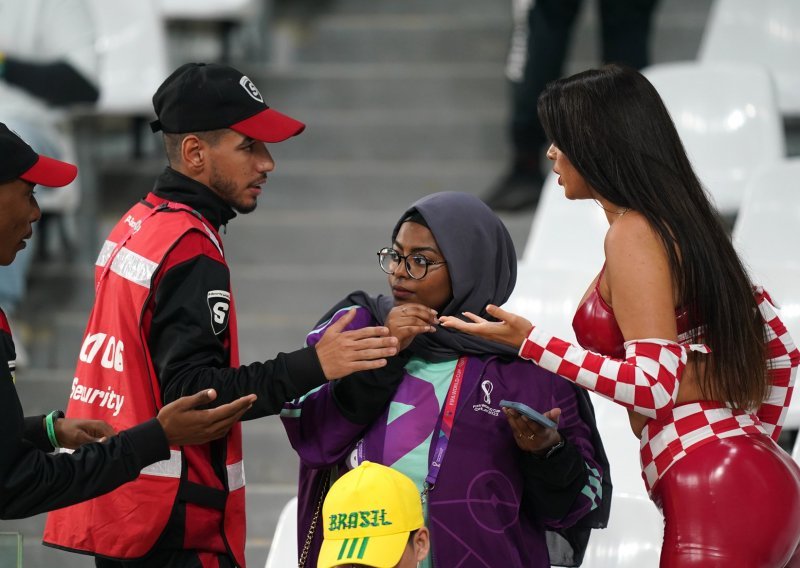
{"x":526,"y":410}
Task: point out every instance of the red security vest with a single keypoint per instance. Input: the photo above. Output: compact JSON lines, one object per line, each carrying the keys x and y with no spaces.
{"x":115,"y":381}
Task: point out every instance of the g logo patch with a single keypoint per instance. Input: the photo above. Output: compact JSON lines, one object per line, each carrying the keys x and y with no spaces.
{"x":250,"y":88}
{"x":219,"y":304}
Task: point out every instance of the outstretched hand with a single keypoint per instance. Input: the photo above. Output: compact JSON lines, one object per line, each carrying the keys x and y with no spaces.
{"x":185,"y":425}
{"x":72,"y":433}
{"x":343,"y":353}
{"x":510,"y":330}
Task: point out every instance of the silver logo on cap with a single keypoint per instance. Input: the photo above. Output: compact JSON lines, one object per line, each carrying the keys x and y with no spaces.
{"x":251,"y":89}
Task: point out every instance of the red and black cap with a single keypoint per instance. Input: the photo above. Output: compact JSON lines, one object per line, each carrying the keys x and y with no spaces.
{"x":198,"y":97}
{"x":19,"y":161}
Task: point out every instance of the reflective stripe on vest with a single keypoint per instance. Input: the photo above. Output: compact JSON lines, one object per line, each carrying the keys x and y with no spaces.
{"x":127,"y":264}
{"x":166,"y":468}
{"x":235,"y":476}
{"x":172,"y":468}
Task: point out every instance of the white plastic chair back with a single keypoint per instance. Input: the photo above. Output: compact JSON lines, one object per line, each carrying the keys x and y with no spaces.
{"x":766,"y":32}
{"x":796,"y":451}
{"x":222,"y":10}
{"x":767,"y":237}
{"x":548,"y":298}
{"x":565,"y":234}
{"x":283,"y":549}
{"x":728,"y":120}
{"x":10,"y":550}
{"x":635,"y":529}
{"x":632,"y":539}
{"x":133,"y":55}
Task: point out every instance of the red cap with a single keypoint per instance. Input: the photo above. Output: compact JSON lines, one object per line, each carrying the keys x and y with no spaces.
{"x":269,"y":126}
{"x":20,"y":161}
{"x":50,"y":172}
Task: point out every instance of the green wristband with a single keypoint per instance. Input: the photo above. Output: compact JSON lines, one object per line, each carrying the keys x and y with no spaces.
{"x":2,"y":63}
{"x":49,"y":422}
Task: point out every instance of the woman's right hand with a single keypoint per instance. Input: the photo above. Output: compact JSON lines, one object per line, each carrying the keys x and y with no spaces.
{"x":510,"y":330}
{"x":407,"y":321}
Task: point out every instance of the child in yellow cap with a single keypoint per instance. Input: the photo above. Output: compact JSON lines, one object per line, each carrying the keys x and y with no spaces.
{"x":372,"y":516}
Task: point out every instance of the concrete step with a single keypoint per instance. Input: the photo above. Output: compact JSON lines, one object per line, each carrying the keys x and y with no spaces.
{"x":410,"y":38}
{"x":434,"y":134}
{"x":396,"y":88}
{"x":466,"y":37}
{"x":420,"y":7}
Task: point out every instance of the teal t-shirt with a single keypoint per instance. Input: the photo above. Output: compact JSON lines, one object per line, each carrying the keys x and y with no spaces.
{"x":415,"y":463}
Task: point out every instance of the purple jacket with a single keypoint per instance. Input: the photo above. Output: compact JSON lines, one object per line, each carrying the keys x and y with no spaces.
{"x":476,"y":512}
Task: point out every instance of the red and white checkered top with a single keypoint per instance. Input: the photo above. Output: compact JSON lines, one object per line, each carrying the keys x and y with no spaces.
{"x":647,"y":382}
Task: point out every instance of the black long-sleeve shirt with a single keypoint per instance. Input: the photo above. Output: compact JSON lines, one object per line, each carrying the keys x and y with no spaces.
{"x":33,"y":481}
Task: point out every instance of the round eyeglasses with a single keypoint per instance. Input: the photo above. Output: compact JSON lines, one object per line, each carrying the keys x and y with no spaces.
{"x":416,"y":264}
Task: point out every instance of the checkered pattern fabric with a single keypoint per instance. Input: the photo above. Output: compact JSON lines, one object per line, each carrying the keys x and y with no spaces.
{"x":647,"y":382}
{"x":783,"y":358}
{"x":689,"y":427}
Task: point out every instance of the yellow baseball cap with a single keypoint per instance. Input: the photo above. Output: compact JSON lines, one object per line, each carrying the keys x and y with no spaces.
{"x":367,"y":517}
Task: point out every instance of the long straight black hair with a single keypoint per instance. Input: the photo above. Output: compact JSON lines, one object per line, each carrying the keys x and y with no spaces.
{"x":614,"y":128}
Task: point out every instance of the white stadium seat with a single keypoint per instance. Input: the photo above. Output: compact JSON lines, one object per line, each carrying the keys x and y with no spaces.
{"x":632,"y":539}
{"x":133,"y":56}
{"x":766,"y":32}
{"x":283,"y":549}
{"x":209,"y":9}
{"x":727,"y":118}
{"x":767,"y":237}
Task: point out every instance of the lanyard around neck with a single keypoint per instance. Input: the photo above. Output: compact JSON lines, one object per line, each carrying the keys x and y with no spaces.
{"x":448,"y":419}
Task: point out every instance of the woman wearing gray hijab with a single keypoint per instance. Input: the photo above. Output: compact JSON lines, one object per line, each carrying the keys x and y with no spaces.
{"x":493,"y":482}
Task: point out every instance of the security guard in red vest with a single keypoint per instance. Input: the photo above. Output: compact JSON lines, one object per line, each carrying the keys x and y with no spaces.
{"x":33,"y":480}
{"x":164,"y":324}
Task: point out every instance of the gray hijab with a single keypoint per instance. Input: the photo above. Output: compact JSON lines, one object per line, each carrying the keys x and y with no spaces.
{"x":482,"y":264}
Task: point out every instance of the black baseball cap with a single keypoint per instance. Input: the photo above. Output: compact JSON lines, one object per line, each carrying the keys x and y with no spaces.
{"x":19,"y":161}
{"x":209,"y":96}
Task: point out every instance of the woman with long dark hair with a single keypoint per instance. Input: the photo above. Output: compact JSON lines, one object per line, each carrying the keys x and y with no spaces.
{"x":671,"y":329}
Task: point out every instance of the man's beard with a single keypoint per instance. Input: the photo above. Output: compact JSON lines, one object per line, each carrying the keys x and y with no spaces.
{"x":226,"y":189}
